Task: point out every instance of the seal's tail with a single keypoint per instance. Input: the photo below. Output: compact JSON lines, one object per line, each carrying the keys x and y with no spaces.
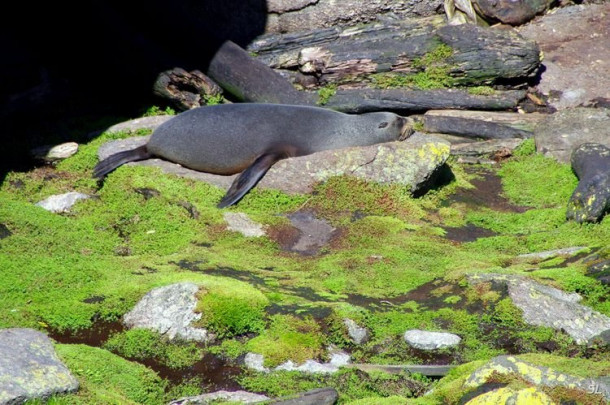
{"x":113,"y":161}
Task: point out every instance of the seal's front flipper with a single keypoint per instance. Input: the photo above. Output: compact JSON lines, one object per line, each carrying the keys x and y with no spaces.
{"x":113,"y":161}
{"x":249,"y":177}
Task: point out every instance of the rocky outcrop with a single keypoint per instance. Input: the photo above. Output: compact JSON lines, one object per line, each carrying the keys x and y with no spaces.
{"x":29,"y":367}
{"x":561,"y":133}
{"x":169,"y":310}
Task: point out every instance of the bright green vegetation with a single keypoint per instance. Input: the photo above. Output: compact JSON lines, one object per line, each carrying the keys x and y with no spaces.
{"x":481,"y":91}
{"x":156,"y":110}
{"x":232,"y":312}
{"x":390,"y":267}
{"x":288,"y":338}
{"x":106,"y":378}
{"x":432,"y":72}
{"x":325,"y":93}
{"x":142,"y":344}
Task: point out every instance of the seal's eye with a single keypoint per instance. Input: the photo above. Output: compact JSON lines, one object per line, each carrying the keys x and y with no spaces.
{"x":383,"y":125}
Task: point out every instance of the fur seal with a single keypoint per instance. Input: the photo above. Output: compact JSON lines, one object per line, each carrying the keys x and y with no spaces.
{"x":250,"y":137}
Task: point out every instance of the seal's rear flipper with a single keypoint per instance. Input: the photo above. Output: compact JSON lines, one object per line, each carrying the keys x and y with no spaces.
{"x":113,"y":161}
{"x":249,"y":177}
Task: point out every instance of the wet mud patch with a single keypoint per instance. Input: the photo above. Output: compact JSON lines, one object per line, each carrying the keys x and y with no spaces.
{"x":467,"y":233}
{"x":316,"y":312}
{"x":430,"y":296}
{"x":487,"y":192}
{"x":95,"y":336}
{"x":213,"y":372}
{"x":306,"y":235}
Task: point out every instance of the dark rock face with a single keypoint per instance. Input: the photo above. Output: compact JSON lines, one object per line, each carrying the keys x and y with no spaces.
{"x":510,"y":11}
{"x":591,"y":199}
{"x":29,"y":367}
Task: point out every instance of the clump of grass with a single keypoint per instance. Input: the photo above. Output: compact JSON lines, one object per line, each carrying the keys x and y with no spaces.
{"x":142,"y":344}
{"x":288,"y":338}
{"x":156,"y":110}
{"x":107,"y":378}
{"x":232,"y":312}
{"x":325,"y":93}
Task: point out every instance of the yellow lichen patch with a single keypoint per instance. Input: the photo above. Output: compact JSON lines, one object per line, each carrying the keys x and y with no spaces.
{"x":506,"y":395}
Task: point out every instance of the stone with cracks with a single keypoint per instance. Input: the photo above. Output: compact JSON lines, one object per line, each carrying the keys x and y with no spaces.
{"x":169,"y":310}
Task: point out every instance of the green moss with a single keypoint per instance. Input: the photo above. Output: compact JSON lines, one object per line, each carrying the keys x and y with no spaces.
{"x":232,"y":312}
{"x":325,"y":93}
{"x":142,"y":344}
{"x":526,"y":148}
{"x":433,"y":72}
{"x":230,"y":348}
{"x":106,"y":378}
{"x":481,"y":91}
{"x":537,"y":181}
{"x":288,"y":338}
{"x":156,"y":110}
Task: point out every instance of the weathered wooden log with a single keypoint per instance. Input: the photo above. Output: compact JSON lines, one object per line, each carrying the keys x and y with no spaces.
{"x":411,"y":101}
{"x":184,"y":89}
{"x":247,"y":79}
{"x":474,"y":126}
{"x":525,"y":122}
{"x":471,"y":54}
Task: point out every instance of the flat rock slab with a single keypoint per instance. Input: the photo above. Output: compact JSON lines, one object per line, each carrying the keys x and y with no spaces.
{"x":424,"y":340}
{"x":169,"y":310}
{"x":410,"y":163}
{"x":547,"y":306}
{"x":61,"y":202}
{"x":241,"y":397}
{"x":575,"y":41}
{"x":561,"y":133}
{"x":29,"y":367}
{"x":240,"y":222}
{"x":535,"y":374}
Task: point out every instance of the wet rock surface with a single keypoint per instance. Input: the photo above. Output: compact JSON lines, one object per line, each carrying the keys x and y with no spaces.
{"x":169,"y":310}
{"x":29,"y":367}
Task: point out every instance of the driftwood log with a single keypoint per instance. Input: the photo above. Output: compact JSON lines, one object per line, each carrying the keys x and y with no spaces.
{"x":348,"y":54}
{"x":482,"y":124}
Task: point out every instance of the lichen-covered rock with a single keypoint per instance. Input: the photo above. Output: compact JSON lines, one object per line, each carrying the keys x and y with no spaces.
{"x":318,"y":396}
{"x":590,"y":201}
{"x":547,"y":306}
{"x":169,"y":310}
{"x":507,"y":395}
{"x":535,"y":374}
{"x":424,"y":340}
{"x":561,"y":133}
{"x":61,"y":202}
{"x":29,"y":367}
{"x":412,"y":163}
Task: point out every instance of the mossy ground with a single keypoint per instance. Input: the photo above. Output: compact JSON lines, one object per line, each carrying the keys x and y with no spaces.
{"x":390,"y":268}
